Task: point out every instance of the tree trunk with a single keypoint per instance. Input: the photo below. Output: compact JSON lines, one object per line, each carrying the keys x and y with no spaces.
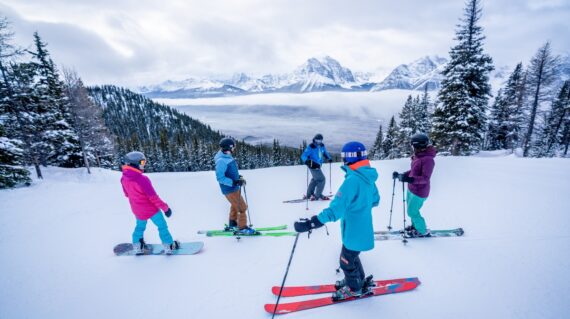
{"x":38,"y":169}
{"x":533,"y":111}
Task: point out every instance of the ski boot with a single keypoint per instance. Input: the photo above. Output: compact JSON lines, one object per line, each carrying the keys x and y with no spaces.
{"x":169,"y":248}
{"x":323,"y":197}
{"x":139,"y":247}
{"x":246,"y":231}
{"x":232,"y":226}
{"x":412,"y":232}
{"x":346,"y":293}
{"x":368,"y":283}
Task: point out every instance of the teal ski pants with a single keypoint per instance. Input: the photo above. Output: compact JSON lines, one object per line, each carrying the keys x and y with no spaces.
{"x":160,"y":222}
{"x":414,"y":204}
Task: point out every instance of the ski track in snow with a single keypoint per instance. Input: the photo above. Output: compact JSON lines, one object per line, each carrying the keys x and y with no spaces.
{"x":56,"y":241}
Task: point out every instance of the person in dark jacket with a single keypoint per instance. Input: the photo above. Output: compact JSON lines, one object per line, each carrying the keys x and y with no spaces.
{"x":418,"y":179}
{"x":314,"y":156}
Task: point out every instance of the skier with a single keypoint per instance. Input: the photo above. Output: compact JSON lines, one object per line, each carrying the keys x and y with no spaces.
{"x":145,"y":203}
{"x":313,"y":158}
{"x":352,"y":204}
{"x":418,"y":179}
{"x":231,"y":182}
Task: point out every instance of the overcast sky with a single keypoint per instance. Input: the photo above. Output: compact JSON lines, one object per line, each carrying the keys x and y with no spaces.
{"x":134,"y":42}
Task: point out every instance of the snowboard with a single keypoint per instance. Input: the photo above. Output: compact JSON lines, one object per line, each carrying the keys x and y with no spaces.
{"x":399,"y":234}
{"x":284,"y":308}
{"x":293,"y":291}
{"x":280,"y":227}
{"x":191,"y":248}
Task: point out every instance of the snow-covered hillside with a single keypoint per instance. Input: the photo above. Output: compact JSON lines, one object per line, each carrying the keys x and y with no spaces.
{"x":56,"y":240}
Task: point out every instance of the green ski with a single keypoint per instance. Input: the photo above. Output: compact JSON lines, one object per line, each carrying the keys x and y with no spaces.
{"x":231,"y":234}
{"x":280,"y":227}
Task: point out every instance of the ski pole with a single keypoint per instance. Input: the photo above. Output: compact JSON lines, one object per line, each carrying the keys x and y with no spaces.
{"x":285,"y":277}
{"x":330,"y":178}
{"x":246,"y":202}
{"x":307,"y":194}
{"x":404,"y":240}
{"x":392,"y":203}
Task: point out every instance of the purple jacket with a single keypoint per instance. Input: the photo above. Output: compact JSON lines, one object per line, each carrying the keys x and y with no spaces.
{"x":422,"y":167}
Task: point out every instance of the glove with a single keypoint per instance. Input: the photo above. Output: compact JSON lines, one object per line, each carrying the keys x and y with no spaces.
{"x":242,"y":179}
{"x":168,"y":213}
{"x":395,"y":175}
{"x":330,"y":160}
{"x":312,"y":165}
{"x":305,"y":224}
{"x":239,"y":182}
{"x":406,"y":179}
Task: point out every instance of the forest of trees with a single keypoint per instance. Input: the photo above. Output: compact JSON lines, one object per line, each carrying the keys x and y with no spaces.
{"x":51,"y":118}
{"x":530,"y":113}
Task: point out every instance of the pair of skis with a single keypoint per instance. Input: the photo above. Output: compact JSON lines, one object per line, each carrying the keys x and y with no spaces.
{"x":382,"y":287}
{"x":399,"y":234}
{"x":272,"y":231}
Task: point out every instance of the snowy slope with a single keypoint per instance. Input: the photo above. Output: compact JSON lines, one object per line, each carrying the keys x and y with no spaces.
{"x":415,"y":76}
{"x":56,"y":241}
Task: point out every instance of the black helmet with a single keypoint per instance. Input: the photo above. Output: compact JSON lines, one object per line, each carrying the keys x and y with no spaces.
{"x":134,"y":158}
{"x":227,"y":144}
{"x":419,"y":140}
{"x":318,"y":137}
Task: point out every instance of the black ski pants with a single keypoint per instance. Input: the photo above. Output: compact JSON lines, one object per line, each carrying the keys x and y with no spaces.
{"x":352,"y":268}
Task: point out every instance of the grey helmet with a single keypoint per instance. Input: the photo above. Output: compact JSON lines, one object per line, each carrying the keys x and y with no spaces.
{"x":419,"y":140}
{"x":134,"y":158}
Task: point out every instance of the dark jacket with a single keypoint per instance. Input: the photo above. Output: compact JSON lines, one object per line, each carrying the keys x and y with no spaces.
{"x":422,"y":166}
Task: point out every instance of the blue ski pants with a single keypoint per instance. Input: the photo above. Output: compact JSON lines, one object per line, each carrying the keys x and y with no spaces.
{"x":414,"y":204}
{"x":160,"y":222}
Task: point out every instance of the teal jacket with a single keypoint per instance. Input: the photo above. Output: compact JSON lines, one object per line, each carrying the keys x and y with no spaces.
{"x":353,"y":204}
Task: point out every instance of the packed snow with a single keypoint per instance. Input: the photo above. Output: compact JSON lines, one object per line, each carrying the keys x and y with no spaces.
{"x":57,"y":236}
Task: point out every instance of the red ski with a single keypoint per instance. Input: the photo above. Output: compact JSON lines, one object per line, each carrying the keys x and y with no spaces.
{"x":319,"y":289}
{"x":320,"y":302}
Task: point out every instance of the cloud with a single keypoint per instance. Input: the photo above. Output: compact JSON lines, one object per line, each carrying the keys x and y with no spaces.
{"x":145,"y":41}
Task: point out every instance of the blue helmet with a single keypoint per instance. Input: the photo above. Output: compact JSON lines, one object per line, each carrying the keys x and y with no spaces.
{"x":353,"y":152}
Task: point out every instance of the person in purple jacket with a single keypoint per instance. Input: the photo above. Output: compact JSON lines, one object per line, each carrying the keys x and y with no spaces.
{"x":418,"y":179}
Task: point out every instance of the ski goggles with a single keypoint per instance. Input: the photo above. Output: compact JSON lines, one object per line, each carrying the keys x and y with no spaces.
{"x":319,"y":141}
{"x":142,"y":162}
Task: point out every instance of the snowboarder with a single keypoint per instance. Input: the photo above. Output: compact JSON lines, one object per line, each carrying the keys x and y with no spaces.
{"x":352,"y":204}
{"x":231,"y":182}
{"x":418,"y":179}
{"x":313,"y":158}
{"x":145,"y":203}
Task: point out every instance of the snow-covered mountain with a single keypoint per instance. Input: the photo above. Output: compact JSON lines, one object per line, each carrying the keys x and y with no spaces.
{"x":315,"y":75}
{"x":415,"y":76}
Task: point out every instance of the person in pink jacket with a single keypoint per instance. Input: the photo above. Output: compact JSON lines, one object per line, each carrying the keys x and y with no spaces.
{"x":145,"y":203}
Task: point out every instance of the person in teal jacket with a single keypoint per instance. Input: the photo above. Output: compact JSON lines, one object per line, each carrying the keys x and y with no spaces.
{"x":353,"y":205}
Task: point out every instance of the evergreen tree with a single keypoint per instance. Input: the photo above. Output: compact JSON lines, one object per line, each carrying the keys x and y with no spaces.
{"x":389,"y":146}
{"x":506,"y":113}
{"x":407,"y":126}
{"x":377,"y":152}
{"x":460,"y":121}
{"x":54,"y":109}
{"x":541,"y":75}
{"x":553,"y":130}
{"x":12,"y":170}
{"x":422,"y":113}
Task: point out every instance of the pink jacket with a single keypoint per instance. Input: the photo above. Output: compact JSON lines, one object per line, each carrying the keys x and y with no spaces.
{"x":142,"y":197}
